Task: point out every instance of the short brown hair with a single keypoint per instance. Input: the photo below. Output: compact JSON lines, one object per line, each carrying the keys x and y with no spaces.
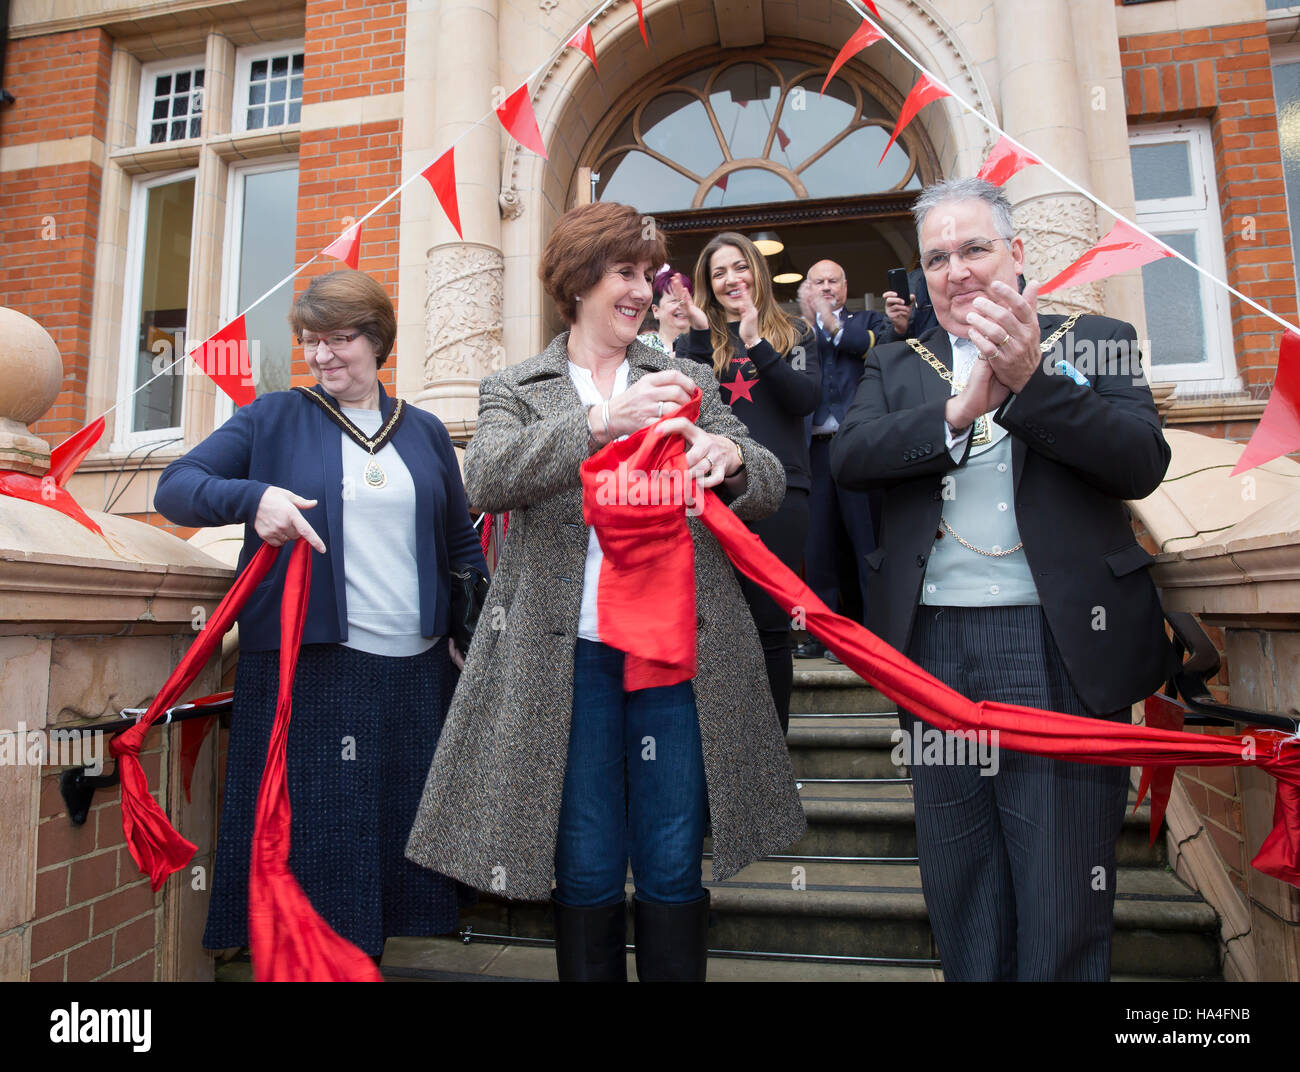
{"x":586,"y":241}
{"x":347,"y":299}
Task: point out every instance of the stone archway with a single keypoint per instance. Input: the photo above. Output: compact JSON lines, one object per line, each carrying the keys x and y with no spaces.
{"x":571,"y":101}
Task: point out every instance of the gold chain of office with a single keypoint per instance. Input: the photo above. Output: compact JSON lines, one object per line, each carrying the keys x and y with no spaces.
{"x":981,"y":433}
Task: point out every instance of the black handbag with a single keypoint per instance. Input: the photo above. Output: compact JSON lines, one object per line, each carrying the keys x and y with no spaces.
{"x":469,"y":589}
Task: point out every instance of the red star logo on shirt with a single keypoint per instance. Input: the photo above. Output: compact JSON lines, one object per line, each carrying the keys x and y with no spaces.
{"x":740,"y":388}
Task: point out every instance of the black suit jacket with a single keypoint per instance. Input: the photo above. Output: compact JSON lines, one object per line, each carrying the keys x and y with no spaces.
{"x":1078,"y":452}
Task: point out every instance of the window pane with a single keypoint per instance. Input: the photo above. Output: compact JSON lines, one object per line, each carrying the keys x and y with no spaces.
{"x":274,"y":115}
{"x":194,"y":126}
{"x":1175,"y":317}
{"x":744,"y":100}
{"x":1286,"y":85}
{"x":180,"y":106}
{"x":1161,"y":171}
{"x":257,"y":93}
{"x":852,"y":166}
{"x":642,"y":181}
{"x":183,"y":82}
{"x":161,"y":319}
{"x":677,"y":125}
{"x":278,"y":88}
{"x":295,"y":111}
{"x":749,"y":186}
{"x":297,"y":62}
{"x":162,"y":87}
{"x":270,"y":208}
{"x":295,"y":89}
{"x":279,"y":66}
{"x":158,"y":132}
{"x":810,"y":120}
{"x":255,"y":118}
{"x":178,"y":130}
{"x":258,"y":71}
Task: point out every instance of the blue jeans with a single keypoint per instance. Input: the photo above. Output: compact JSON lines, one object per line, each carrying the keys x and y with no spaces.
{"x":633,"y":786}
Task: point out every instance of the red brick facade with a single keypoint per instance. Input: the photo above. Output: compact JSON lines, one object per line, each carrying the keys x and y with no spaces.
{"x":49,"y":216}
{"x":96,"y":917}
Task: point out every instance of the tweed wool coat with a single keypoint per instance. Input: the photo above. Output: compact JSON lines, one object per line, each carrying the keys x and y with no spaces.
{"x":491,"y":805}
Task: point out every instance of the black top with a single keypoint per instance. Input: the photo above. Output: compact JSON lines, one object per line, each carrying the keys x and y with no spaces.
{"x":774,"y":394}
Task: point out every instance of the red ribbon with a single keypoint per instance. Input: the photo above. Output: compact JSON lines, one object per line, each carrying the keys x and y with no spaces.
{"x":155,"y":845}
{"x":289,"y":940}
{"x":45,"y":491}
{"x":1022,"y":729}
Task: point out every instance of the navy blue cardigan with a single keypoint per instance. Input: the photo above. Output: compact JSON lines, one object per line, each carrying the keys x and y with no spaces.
{"x":287,"y":440}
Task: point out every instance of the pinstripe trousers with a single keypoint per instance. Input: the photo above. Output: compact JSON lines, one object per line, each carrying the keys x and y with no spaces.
{"x":1018,"y":867}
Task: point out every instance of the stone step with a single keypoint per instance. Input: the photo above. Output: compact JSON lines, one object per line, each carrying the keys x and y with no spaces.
{"x":876,"y":820}
{"x":823,"y":687}
{"x":1162,"y":928}
{"x":452,"y":960}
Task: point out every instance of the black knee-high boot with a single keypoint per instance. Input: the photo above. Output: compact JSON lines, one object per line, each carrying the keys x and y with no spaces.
{"x":672,"y":940}
{"x":591,"y":943}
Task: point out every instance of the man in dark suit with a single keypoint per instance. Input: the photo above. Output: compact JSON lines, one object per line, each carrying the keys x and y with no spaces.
{"x":1006,"y":444}
{"x":840,"y":526}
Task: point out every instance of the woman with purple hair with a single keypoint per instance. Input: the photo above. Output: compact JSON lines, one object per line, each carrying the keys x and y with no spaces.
{"x":672,"y":292}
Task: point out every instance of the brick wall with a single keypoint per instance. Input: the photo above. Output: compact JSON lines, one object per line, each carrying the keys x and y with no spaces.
{"x":96,"y":917}
{"x":60,"y":87}
{"x":343,"y":172}
{"x":355,"y":48}
{"x":49,"y":215}
{"x":1223,"y":73}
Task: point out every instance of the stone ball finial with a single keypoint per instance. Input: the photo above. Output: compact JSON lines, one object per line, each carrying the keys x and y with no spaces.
{"x":31,"y":373}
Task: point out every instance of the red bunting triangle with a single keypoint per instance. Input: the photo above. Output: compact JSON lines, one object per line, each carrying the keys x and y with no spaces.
{"x":1005,"y":160}
{"x":442,"y":177}
{"x":69,"y":454}
{"x":872,"y":7}
{"x":224,"y":357}
{"x":1124,"y":247}
{"x":516,"y":115}
{"x":1278,"y":431}
{"x":783,"y":138}
{"x":640,"y":18}
{"x":864,"y":35}
{"x":925,"y":91}
{"x":582,"y":41}
{"x":347,"y":247}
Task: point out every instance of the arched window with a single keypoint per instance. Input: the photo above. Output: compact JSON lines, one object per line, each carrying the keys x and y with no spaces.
{"x":751,"y":131}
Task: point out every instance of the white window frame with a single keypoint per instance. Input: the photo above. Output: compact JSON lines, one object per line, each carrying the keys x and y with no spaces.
{"x":125,"y":438}
{"x":244,"y":60}
{"x":1199,"y":214}
{"x":144,"y":113}
{"x":233,"y":246}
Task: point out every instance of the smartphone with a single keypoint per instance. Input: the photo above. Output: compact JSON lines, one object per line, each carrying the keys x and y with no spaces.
{"x":898,"y":283}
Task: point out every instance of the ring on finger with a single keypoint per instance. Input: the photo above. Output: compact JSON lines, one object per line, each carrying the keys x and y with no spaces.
{"x":1005,"y":340}
{"x":660,"y":411}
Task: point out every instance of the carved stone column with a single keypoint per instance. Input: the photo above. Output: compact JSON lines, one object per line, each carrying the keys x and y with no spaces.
{"x":463,"y":315}
{"x":1040,"y":108}
{"x":463,"y":278}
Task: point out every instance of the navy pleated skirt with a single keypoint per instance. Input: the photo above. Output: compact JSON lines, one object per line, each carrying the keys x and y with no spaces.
{"x":361,"y":739}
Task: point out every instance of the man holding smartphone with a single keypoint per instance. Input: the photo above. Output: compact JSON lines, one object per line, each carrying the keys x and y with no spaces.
{"x":840,"y":528}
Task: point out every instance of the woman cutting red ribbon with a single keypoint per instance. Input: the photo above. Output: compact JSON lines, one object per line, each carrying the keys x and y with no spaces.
{"x":561,"y":758}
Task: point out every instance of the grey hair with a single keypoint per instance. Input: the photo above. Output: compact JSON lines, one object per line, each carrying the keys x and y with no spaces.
{"x":965,"y":190}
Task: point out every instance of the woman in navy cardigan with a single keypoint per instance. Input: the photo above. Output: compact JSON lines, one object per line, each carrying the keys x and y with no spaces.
{"x":374,"y":486}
